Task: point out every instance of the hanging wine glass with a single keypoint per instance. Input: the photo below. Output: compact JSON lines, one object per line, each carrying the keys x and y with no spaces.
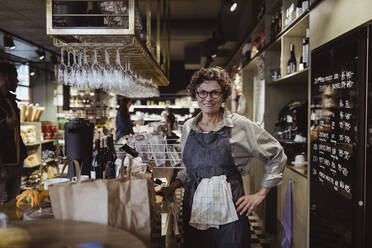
{"x":79,"y":79}
{"x":85,"y":71}
{"x":74,"y":70}
{"x":96,"y":72}
{"x":61,"y":68}
{"x":107,"y":73}
{"x":118,"y":72}
{"x":67,"y":71}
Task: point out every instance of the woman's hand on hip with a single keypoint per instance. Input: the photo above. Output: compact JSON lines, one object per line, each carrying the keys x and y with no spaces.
{"x":247,"y":203}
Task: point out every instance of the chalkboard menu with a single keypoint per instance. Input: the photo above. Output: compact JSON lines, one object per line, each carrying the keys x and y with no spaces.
{"x":334,"y":116}
{"x":337,"y":114}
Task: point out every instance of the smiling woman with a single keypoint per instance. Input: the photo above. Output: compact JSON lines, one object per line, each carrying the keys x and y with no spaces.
{"x":217,"y":148}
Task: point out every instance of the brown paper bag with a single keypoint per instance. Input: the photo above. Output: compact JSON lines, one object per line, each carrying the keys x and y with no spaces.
{"x":123,"y":203}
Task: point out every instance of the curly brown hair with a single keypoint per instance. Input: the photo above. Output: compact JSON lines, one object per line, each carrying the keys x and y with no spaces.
{"x":208,"y":74}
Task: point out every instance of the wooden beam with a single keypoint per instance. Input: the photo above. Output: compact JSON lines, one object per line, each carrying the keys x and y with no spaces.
{"x":148,"y":19}
{"x":158,"y":10}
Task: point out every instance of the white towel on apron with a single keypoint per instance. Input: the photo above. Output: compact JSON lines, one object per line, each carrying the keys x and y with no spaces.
{"x":212,"y":205}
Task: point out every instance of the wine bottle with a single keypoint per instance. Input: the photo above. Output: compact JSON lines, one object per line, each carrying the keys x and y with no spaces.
{"x":301,"y":64}
{"x":292,"y":64}
{"x":105,"y":157}
{"x":272,"y":28}
{"x":112,"y":157}
{"x":94,"y":168}
{"x":298,"y":8}
{"x":306,"y":49}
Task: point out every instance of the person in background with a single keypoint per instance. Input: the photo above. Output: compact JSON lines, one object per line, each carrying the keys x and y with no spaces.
{"x":12,"y":149}
{"x":217,"y":148}
{"x":124,"y":125}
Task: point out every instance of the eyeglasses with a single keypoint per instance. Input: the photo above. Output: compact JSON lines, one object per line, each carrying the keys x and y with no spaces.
{"x":213,"y":94}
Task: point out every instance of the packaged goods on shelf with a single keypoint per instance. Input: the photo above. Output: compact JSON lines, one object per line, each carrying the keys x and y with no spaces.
{"x":28,"y":134}
{"x":29,"y":112}
{"x":32,"y":160}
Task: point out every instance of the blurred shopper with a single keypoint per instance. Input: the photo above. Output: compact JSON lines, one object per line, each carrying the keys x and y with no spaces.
{"x":124,"y":125}
{"x":217,"y":148}
{"x":12,"y":148}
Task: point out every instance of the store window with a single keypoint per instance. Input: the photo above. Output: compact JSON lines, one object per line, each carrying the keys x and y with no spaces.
{"x":23,"y":89}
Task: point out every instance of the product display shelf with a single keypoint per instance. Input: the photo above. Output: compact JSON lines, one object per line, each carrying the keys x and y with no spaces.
{"x":268,"y":88}
{"x":295,"y":28}
{"x":297,"y":77}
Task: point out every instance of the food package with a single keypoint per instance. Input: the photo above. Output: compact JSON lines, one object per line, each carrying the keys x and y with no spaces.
{"x":28,"y":134}
{"x":32,"y":160}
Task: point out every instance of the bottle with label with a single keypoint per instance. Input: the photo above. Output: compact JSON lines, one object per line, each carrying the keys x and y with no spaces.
{"x":305,"y":51}
{"x":292,"y":64}
{"x":111,"y":157}
{"x":94,"y":168}
{"x":301,"y":64}
{"x":105,"y":157}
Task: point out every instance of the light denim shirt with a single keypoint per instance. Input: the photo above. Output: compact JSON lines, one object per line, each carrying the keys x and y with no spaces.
{"x":247,"y":140}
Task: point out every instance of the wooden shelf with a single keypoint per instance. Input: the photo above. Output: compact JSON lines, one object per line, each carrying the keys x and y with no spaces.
{"x":299,"y":27}
{"x":301,"y":170}
{"x":297,"y":77}
{"x":41,"y":142}
{"x":293,"y":28}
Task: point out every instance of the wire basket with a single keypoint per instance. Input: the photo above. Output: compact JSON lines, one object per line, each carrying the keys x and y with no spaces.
{"x":164,"y":152}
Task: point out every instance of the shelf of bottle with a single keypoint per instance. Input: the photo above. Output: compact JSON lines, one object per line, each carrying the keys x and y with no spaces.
{"x":296,"y":28}
{"x":297,"y":77}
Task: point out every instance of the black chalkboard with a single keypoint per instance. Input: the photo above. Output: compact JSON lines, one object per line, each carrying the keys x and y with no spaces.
{"x":337,"y":113}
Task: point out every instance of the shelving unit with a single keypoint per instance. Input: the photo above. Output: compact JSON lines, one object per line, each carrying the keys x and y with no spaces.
{"x":182,"y":107}
{"x":258,"y":81}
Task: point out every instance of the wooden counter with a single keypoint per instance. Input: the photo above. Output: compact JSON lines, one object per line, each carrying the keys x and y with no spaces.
{"x":57,"y":233}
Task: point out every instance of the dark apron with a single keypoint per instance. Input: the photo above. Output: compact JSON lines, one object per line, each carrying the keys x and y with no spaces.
{"x":206,"y":155}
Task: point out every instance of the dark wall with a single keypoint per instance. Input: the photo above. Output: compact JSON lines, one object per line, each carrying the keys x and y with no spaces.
{"x":179,"y":78}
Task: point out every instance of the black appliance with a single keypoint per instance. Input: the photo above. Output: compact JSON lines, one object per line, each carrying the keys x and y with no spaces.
{"x":292,"y":121}
{"x":79,"y":144}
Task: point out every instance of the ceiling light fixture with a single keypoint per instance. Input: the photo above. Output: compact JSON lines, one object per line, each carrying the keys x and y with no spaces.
{"x":233,"y":6}
{"x":214,"y":55}
{"x":230,"y":5}
{"x":9,"y":42}
{"x":41,"y":54}
{"x":32,"y":73}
